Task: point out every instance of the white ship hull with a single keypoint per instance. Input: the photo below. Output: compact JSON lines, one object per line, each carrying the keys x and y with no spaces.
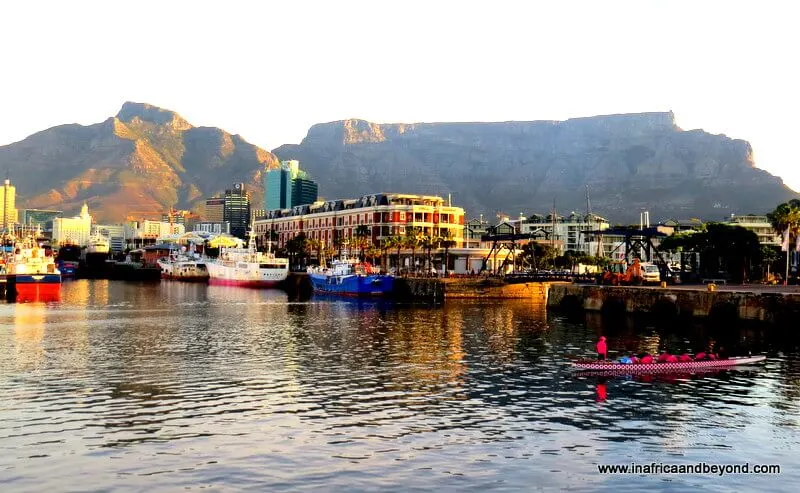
{"x":183,"y":270}
{"x":248,"y":274}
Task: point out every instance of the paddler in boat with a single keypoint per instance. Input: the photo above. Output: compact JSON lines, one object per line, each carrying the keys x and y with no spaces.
{"x":602,"y":348}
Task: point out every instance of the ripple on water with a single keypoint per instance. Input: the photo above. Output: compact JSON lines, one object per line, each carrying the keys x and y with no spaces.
{"x":169,"y":387}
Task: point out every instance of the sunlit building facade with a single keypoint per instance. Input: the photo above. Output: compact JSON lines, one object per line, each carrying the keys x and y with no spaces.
{"x":73,"y":230}
{"x":384,"y":215}
{"x":759,"y":225}
{"x":8,"y":210}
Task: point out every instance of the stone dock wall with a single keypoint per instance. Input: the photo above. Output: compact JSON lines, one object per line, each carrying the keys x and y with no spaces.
{"x":446,"y":288}
{"x":758,"y":305}
{"x":774,"y":307}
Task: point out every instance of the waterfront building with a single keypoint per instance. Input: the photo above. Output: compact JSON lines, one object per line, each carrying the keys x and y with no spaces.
{"x":383,"y":215}
{"x":114,"y":233}
{"x":474,"y":229}
{"x":8,"y":210}
{"x":571,"y":233}
{"x":215,"y":228}
{"x":41,"y":218}
{"x":146,"y":232}
{"x":683,"y":225}
{"x":288,"y":186}
{"x":257,"y":214}
{"x":73,"y":230}
{"x":760,"y":225}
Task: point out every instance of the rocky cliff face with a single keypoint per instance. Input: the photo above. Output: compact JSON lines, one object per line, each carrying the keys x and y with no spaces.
{"x":145,"y":159}
{"x":630,"y":162}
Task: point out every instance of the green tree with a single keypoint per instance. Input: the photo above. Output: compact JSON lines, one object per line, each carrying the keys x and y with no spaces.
{"x":428,"y":243}
{"x":338,"y":242}
{"x":786,"y":217}
{"x":315,"y":246}
{"x":447,"y":242}
{"x":296,"y":249}
{"x":412,"y":241}
{"x":397,"y":242}
{"x":362,"y":239}
{"x":769,"y":255}
{"x":538,"y":255}
{"x":721,"y":247}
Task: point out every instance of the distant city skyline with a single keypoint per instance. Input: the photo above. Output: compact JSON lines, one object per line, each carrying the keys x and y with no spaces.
{"x":268,"y":72}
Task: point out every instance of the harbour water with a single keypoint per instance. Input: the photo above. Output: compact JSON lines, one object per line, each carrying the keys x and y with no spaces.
{"x":160,"y":387}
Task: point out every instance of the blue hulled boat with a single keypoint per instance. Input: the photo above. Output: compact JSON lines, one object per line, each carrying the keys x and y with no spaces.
{"x":348,"y":278}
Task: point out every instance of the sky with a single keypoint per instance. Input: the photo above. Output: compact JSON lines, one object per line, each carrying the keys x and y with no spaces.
{"x":270,"y":70}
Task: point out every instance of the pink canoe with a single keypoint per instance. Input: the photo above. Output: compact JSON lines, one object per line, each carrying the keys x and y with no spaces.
{"x":681,"y":366}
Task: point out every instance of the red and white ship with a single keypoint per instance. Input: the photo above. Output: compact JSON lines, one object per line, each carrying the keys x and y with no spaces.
{"x":30,"y":271}
{"x":247,"y":267}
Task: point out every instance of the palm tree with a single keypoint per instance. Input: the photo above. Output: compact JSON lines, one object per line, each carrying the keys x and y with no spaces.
{"x":447,"y":243}
{"x":372,"y":252}
{"x":428,"y":243}
{"x":316,"y":246}
{"x":785,"y":221}
{"x":362,"y":239}
{"x":412,"y":240}
{"x":338,"y":242}
{"x":786,"y":216}
{"x":397,"y":242}
{"x":386,"y":244}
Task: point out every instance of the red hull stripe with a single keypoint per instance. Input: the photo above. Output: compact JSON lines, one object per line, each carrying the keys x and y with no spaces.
{"x":245,"y":284}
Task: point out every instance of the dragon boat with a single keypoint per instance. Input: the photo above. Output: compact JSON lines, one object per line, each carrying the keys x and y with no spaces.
{"x":616,"y":368}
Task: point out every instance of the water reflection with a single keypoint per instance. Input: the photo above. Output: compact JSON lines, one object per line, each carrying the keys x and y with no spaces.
{"x":190,"y":385}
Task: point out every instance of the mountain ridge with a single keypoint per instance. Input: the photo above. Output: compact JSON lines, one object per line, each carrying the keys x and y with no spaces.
{"x":141,"y":161}
{"x":146,"y":159}
{"x":631,"y":162}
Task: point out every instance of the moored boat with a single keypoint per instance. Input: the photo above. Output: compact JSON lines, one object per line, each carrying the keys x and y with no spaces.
{"x":613,"y":367}
{"x":68,"y":260}
{"x":181,"y":266}
{"x":247,"y":267}
{"x":30,"y":270}
{"x":350,"y":278}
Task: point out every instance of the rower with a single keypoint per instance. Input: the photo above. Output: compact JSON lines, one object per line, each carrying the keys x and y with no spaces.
{"x":602,"y":349}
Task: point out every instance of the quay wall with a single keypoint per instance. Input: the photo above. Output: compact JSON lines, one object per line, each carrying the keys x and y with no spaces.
{"x":774,"y":307}
{"x":436,"y":289}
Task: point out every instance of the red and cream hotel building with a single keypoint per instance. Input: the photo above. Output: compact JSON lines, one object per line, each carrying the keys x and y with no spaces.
{"x":385,"y":214}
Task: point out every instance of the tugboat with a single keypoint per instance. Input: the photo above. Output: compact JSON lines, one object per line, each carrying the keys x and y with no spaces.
{"x":247,"y":267}
{"x":31,"y":271}
{"x":351,"y":278}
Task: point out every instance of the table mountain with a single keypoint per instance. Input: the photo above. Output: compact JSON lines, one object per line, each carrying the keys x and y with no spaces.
{"x":630,"y":162}
{"x":141,"y":161}
{"x":146,"y":159}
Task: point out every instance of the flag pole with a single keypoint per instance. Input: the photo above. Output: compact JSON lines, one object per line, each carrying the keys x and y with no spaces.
{"x":786,"y":277}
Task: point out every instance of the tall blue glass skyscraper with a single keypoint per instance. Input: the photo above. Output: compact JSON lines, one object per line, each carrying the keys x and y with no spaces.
{"x":288,"y":186}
